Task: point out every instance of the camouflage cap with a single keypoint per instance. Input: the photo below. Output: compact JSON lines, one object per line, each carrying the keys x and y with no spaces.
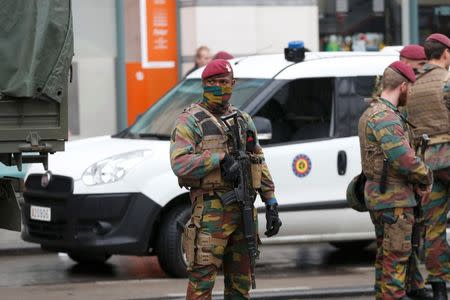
{"x":404,"y":70}
{"x":441,"y":38}
{"x":217,"y":67}
{"x":414,"y":52}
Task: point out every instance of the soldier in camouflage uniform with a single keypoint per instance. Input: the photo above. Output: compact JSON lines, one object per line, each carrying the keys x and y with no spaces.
{"x":384,"y":142}
{"x":428,"y":109}
{"x":199,"y":155}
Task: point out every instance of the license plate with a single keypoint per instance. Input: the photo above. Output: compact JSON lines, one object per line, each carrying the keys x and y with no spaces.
{"x":40,"y":213}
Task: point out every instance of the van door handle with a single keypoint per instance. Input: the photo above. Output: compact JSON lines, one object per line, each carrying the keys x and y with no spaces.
{"x":342,"y":163}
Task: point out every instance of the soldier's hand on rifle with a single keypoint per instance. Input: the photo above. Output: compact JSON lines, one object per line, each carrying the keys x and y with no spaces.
{"x":423,"y":191}
{"x":229,"y":168}
{"x":273,"y":222}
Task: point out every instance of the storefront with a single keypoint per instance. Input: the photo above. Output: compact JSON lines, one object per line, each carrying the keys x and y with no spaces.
{"x":434,"y":16}
{"x":360,"y":25}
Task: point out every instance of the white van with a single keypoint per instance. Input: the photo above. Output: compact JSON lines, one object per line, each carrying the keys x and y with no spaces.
{"x":118,"y":195}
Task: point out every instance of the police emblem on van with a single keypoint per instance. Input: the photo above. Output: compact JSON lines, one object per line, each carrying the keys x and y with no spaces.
{"x":301,"y":165}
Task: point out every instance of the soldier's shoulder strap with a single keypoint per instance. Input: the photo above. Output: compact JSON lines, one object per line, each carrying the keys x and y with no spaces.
{"x":436,"y":73}
{"x":241,"y":118}
{"x":208,"y":123}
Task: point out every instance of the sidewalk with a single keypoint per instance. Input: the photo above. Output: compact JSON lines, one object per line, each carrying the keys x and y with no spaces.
{"x":11,"y":243}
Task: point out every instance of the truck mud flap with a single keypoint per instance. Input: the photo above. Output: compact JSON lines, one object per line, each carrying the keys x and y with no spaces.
{"x":9,"y":207}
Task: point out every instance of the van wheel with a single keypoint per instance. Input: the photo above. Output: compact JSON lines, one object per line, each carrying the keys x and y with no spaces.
{"x":89,"y":258}
{"x":171,"y":256}
{"x":352,"y":246}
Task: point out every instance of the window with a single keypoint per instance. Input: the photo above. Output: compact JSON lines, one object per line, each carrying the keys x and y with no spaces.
{"x":351,"y":93}
{"x":300,"y":110}
{"x":159,"y":119}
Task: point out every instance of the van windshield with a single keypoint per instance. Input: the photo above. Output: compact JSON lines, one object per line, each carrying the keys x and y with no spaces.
{"x":157,"y":122}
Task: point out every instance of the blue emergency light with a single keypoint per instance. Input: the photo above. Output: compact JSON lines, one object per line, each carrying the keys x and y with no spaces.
{"x":295,"y":51}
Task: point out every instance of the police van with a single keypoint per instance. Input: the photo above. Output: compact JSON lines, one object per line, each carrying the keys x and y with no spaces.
{"x":118,"y":195}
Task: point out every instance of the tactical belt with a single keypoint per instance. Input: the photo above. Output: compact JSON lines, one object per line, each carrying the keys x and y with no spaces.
{"x":389,"y":179}
{"x":212,"y":195}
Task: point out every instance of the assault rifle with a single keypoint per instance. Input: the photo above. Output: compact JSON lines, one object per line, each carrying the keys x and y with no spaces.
{"x":243,"y":193}
{"x":418,"y":226}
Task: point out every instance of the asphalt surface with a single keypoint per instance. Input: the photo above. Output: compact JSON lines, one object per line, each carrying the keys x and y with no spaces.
{"x":39,"y":275}
{"x":316,"y":271}
{"x":279,"y":262}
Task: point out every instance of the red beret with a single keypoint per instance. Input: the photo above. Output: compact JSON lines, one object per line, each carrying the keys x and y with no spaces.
{"x":414,"y":52}
{"x":404,"y":70}
{"x":217,"y":67}
{"x":223,"y":55}
{"x":441,"y":38}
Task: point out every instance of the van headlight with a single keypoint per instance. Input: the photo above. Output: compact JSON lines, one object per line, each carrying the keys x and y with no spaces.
{"x":113,"y":168}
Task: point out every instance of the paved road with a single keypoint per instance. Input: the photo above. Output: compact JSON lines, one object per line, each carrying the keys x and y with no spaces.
{"x":281,"y":268}
{"x":55,"y":276}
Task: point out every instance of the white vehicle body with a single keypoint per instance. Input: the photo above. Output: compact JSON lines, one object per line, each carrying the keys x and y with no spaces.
{"x":312,"y":204}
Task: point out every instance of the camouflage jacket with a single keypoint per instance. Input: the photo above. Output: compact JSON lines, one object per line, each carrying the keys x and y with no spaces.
{"x":386,"y":129}
{"x":186,"y":162}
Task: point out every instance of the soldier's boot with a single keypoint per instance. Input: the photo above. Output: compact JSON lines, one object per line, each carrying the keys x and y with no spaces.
{"x":420,"y":294}
{"x":439,"y":290}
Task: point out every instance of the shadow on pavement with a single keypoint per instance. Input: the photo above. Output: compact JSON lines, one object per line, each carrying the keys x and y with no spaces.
{"x":328,"y":256}
{"x":97,"y":270}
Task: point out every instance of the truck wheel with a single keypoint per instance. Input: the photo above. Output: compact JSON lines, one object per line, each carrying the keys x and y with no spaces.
{"x":169,"y":246}
{"x":89,"y":258}
{"x":353,"y":245}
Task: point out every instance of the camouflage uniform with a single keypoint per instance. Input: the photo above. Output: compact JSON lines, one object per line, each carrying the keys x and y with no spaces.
{"x":383,"y":134}
{"x":219,"y":233}
{"x":436,"y":208}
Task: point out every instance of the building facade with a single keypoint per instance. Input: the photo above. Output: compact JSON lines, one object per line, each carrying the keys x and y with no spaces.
{"x":128,"y":53}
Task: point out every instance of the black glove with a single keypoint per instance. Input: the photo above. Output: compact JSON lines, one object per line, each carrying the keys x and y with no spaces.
{"x":273,"y":222}
{"x":229,"y":168}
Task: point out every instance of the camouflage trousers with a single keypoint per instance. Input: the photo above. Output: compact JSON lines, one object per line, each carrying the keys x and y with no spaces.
{"x":435,"y":210}
{"x":225,"y":245}
{"x":393,"y":228}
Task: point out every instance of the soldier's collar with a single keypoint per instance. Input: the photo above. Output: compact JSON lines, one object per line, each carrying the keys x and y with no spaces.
{"x":395,"y":109}
{"x":388,"y":103}
{"x":429,"y":66}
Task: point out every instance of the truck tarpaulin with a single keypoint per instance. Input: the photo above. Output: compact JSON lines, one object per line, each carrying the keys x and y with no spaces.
{"x":36,"y":48}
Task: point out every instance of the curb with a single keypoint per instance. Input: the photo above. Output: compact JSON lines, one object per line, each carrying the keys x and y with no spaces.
{"x":296,"y":294}
{"x":293,"y":294}
{"x":19,"y":251}
{"x":316,"y":293}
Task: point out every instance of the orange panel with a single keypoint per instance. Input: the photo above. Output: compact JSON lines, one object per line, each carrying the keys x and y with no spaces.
{"x":145,"y":86}
{"x":161,"y":30}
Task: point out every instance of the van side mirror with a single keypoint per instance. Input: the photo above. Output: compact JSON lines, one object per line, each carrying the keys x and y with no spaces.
{"x":263,"y":127}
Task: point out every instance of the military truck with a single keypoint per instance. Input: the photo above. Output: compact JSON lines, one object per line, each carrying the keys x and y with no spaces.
{"x":36,"y":50}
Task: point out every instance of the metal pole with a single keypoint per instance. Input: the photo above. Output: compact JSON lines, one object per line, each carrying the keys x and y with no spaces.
{"x":413,"y":22}
{"x":121,"y":88}
{"x":405,"y":22}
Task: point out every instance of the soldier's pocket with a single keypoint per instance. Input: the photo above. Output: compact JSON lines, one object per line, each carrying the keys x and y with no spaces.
{"x":397,"y":234}
{"x":256,"y":169}
{"x":189,"y":237}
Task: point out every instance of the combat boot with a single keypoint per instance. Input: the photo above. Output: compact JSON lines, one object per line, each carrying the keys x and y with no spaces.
{"x":420,"y":294}
{"x":439,"y":290}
